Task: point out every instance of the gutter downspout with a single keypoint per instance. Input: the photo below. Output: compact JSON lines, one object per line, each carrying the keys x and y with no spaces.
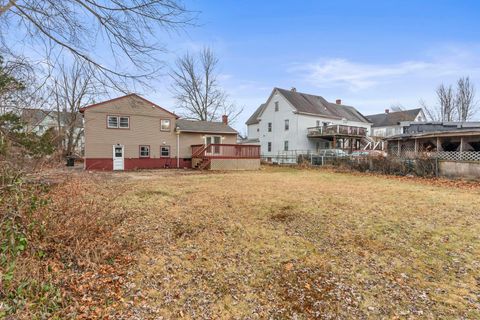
{"x":178,"y":147}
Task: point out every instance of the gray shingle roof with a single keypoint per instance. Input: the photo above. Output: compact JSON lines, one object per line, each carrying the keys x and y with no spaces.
{"x":204,"y":126}
{"x":311,"y":104}
{"x":254,"y":117}
{"x":393,"y":118}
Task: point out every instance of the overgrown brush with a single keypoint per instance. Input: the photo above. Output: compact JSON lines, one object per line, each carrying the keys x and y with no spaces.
{"x":422,"y":167}
{"x":60,"y":256}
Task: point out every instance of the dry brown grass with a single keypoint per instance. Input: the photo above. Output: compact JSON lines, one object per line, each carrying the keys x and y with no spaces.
{"x":284,"y":243}
{"x":279,"y":243}
{"x":61,"y":255}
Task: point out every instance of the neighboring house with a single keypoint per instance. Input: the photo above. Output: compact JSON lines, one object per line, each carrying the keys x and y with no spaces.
{"x":435,"y":137}
{"x":39,"y":121}
{"x":131,"y":132}
{"x":253,"y":125}
{"x":456,"y":145}
{"x":389,"y":123}
{"x":292,"y":121}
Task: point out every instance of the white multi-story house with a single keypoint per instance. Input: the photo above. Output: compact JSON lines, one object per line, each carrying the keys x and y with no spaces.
{"x":388,"y":124}
{"x":291,"y":121}
{"x":253,"y":125}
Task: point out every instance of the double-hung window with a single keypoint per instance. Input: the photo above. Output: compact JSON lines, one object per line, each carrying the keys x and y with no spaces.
{"x":287,"y":125}
{"x":285,"y":145}
{"x":118,"y":122}
{"x":165,"y":124}
{"x":276,"y":106}
{"x":144,"y":151}
{"x":269,"y":147}
{"x":269,"y":127}
{"x":164,"y":151}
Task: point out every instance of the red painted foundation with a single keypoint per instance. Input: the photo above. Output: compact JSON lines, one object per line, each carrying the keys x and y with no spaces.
{"x":137,"y":163}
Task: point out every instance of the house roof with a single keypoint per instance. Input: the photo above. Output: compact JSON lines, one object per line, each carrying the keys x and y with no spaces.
{"x":34,"y":116}
{"x":393,"y":118}
{"x":204,"y":126}
{"x":317,"y":105}
{"x":126,"y":96}
{"x":254,"y":117}
{"x":433,"y":134}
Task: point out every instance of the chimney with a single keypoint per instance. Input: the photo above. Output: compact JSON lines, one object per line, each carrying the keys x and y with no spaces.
{"x":387,"y":111}
{"x":338,"y":101}
{"x":293,"y":89}
{"x":225,"y":119}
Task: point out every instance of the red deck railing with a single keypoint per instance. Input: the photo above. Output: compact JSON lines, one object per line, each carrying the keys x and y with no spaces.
{"x":226,"y":151}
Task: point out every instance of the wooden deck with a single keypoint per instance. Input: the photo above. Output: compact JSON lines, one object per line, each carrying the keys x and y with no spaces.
{"x":241,"y":156}
{"x":336,"y":130}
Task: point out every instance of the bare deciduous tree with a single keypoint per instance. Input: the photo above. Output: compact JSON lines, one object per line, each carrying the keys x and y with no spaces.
{"x":446,"y":100}
{"x":445,"y":109}
{"x":88,"y":29}
{"x":453,"y":104}
{"x":432,"y":113}
{"x":397,"y":107}
{"x":14,"y":76}
{"x":196,"y":88}
{"x":73,"y":87}
{"x":465,"y":99}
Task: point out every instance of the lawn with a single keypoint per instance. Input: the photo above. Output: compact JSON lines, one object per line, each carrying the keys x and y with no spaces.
{"x":283,"y":243}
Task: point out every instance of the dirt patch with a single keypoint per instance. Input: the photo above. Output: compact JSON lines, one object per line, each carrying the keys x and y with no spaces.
{"x":284,"y":214}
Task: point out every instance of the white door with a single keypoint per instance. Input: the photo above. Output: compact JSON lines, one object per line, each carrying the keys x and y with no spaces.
{"x":214,"y":140}
{"x":118,"y":157}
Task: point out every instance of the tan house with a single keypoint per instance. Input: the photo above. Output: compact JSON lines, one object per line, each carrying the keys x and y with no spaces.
{"x":130,"y":132}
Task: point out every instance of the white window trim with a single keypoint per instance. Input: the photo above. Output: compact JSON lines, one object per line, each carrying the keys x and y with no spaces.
{"x":140,"y":151}
{"x":169,"y":150}
{"x":119,"y":122}
{"x":169,"y":125}
{"x":118,"y":126}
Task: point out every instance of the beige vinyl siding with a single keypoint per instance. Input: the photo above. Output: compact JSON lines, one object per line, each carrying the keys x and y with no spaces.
{"x":144,"y":129}
{"x":187,"y":139}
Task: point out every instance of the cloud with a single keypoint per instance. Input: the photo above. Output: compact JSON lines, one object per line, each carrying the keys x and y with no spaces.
{"x":356,"y":76}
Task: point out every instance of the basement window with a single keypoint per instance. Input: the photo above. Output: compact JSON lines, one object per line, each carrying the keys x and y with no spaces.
{"x":164,"y":151}
{"x":144,"y":151}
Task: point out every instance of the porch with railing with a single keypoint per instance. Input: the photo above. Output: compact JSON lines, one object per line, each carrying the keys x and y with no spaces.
{"x":336,"y":130}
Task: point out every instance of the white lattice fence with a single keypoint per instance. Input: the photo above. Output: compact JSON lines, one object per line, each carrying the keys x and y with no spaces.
{"x":458,"y":156}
